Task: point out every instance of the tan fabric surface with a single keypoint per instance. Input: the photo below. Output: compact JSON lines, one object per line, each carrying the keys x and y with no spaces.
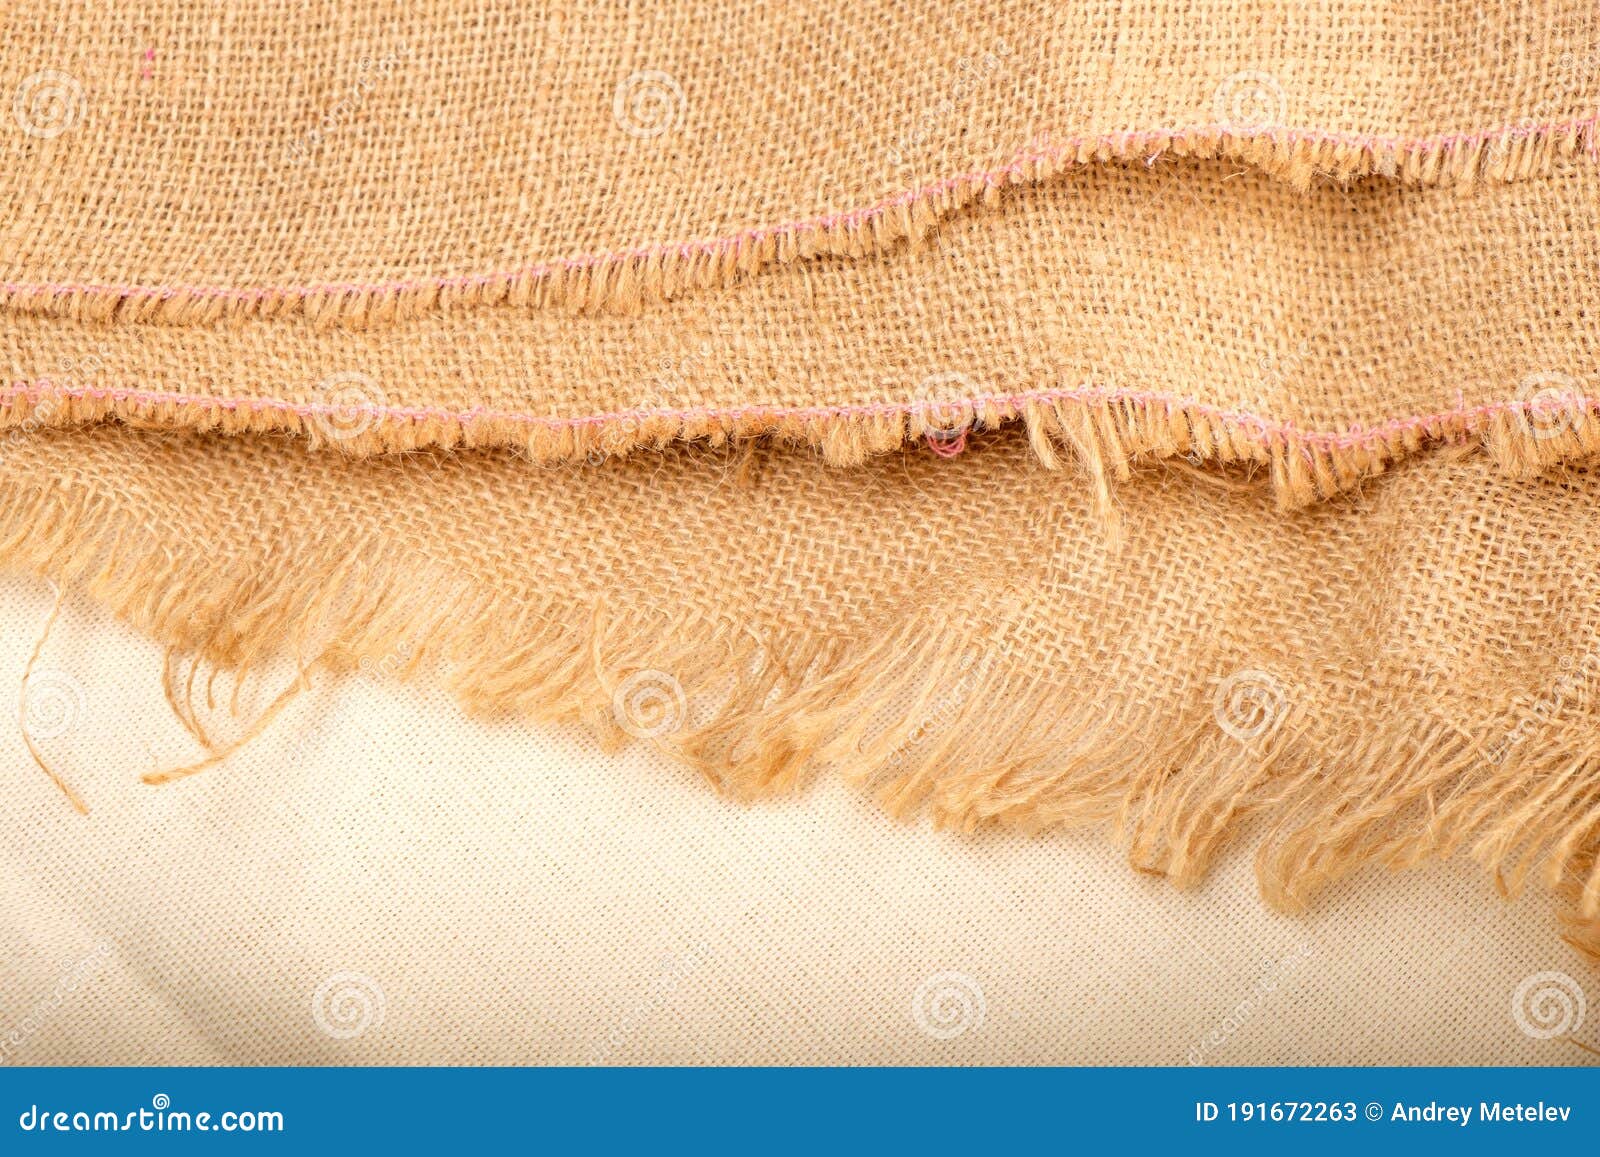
{"x":255,"y":147}
{"x":1230,"y":263}
{"x":1385,"y":678}
{"x":1323,"y":333}
{"x":506,"y":893}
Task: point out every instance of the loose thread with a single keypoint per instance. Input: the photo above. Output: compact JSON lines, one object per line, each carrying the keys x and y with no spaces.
{"x":22,"y":710}
{"x":301,"y":683}
{"x":182,"y":707}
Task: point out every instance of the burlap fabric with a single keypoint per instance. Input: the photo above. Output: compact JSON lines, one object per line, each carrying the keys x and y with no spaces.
{"x":985,"y":401}
{"x":231,"y":157}
{"x":1391,"y":677}
{"x":1324,"y":333}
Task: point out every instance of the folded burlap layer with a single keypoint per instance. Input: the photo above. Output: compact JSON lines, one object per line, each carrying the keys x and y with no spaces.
{"x":231,"y":157}
{"x":1191,"y":309}
{"x":1405,"y":674}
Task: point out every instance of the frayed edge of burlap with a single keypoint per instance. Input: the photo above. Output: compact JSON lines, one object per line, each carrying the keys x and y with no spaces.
{"x":936,"y":716}
{"x":625,"y":281}
{"x":1106,"y":432}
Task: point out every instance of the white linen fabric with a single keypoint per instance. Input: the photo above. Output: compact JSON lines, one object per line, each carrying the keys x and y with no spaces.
{"x":378,"y":880}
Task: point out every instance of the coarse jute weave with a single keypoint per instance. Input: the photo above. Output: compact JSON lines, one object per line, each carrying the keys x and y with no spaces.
{"x":989,"y":401}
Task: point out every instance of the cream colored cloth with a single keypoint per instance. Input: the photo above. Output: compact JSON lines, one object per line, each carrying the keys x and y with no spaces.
{"x":380,"y":880}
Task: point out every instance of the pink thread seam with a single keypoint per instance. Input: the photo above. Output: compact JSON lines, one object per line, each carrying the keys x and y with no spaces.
{"x":1269,"y":430}
{"x":1149,"y":143}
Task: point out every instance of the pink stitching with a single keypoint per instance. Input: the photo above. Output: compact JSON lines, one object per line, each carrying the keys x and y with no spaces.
{"x":1151,"y":142}
{"x":1356,"y":437}
{"x":947,"y":444}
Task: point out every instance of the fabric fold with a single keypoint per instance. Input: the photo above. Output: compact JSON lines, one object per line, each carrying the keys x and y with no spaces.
{"x":394,"y":158}
{"x":1122,"y":314}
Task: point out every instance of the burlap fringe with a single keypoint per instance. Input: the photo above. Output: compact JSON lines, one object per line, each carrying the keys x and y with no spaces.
{"x":623,"y":282}
{"x":1106,"y":432}
{"x":935,"y":716}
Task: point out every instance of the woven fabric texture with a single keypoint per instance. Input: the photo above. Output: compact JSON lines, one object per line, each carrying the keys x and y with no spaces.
{"x":235,"y":147}
{"x":378,"y":880}
{"x":1323,"y":334}
{"x":1386,"y":679}
{"x":1164,"y":417}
